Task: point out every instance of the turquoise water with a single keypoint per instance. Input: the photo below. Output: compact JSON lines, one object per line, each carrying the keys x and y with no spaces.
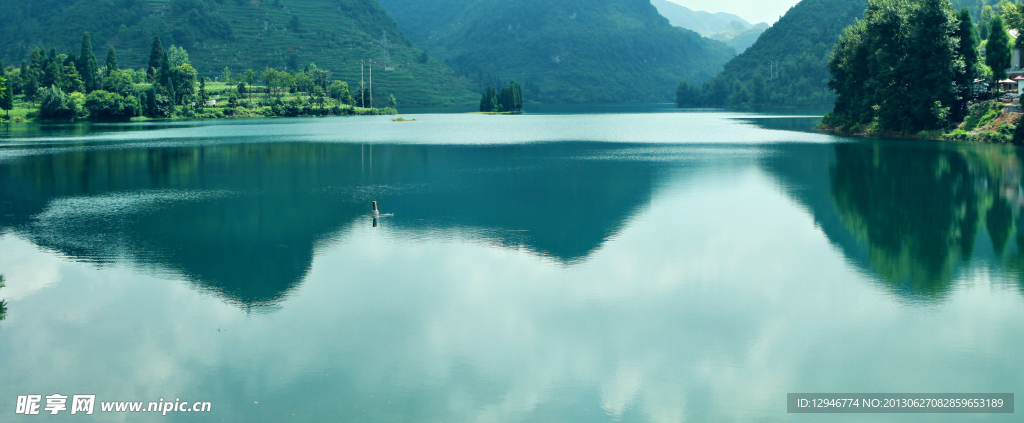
{"x":637,"y":265}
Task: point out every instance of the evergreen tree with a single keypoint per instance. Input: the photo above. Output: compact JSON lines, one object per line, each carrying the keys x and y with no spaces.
{"x":933,"y":53}
{"x":23,"y":77}
{"x":87,"y":65}
{"x":997,"y":51}
{"x":156,"y":59}
{"x":37,"y":63}
{"x":968,"y":50}
{"x":112,"y":61}
{"x":53,"y":74}
{"x":71,"y":81}
{"x":7,"y":100}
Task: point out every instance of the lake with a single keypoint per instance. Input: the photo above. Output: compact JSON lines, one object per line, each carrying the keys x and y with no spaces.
{"x":620,"y":264}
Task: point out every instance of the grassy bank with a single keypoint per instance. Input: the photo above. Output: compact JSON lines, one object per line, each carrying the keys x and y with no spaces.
{"x":985,"y":122}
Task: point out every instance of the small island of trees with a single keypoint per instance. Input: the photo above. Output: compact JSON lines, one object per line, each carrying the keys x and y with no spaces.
{"x":508,"y":100}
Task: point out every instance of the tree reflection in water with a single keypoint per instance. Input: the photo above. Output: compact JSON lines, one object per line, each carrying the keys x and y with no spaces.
{"x":919,"y":207}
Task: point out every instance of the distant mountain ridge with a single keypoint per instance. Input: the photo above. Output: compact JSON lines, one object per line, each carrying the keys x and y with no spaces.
{"x":563,"y":51}
{"x":725,"y":27}
{"x":282,"y":34}
{"x":699,"y":21}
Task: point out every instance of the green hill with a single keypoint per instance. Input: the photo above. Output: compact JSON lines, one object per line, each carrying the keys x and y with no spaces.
{"x":786,"y":66}
{"x":563,"y":51}
{"x":240,"y":34}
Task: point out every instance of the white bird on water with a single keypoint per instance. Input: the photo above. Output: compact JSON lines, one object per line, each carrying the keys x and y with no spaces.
{"x":377,"y":213}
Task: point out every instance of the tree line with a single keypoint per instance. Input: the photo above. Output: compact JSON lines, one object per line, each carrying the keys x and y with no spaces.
{"x":68,"y":87}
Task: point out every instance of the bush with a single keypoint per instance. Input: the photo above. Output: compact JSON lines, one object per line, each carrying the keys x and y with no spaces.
{"x":1018,"y":132}
{"x":55,"y":105}
{"x":108,"y":106}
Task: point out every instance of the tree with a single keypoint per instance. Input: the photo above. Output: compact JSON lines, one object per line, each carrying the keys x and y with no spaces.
{"x":71,"y":81}
{"x":986,"y":21}
{"x":53,"y":74}
{"x":111,"y":61}
{"x":320,"y":77}
{"x":897,"y":69}
{"x":7,"y":96}
{"x":184,"y":82}
{"x":108,"y":106}
{"x":319,"y":96}
{"x":1018,"y":132}
{"x":119,"y":82}
{"x":226,"y":74}
{"x":241,"y":89}
{"x":303,"y":83}
{"x":339,"y":91}
{"x":487,"y":100}
{"x":87,"y":65}
{"x":933,"y":53}
{"x":997,"y":51}
{"x":177,"y":56}
{"x":203,"y":96}
{"x":391,"y":102}
{"x":156,"y":59}
{"x":968,"y":50}
{"x":55,"y":104}
{"x":687,"y":95}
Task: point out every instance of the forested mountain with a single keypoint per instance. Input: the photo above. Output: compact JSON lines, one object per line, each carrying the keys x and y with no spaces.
{"x":721,"y":26}
{"x":240,"y":34}
{"x":787,"y":66}
{"x":563,"y":51}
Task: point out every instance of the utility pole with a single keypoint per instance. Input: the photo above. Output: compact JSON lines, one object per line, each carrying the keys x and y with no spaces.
{"x":361,"y":93}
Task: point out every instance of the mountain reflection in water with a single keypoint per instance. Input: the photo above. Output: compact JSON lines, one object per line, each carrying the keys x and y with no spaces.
{"x":244,"y":220}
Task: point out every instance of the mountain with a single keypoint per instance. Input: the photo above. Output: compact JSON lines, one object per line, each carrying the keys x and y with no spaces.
{"x":740,"y":38}
{"x":563,"y":51}
{"x":700,"y":22}
{"x":721,"y":26}
{"x":240,"y":34}
{"x":787,"y":66}
{"x":703,"y":23}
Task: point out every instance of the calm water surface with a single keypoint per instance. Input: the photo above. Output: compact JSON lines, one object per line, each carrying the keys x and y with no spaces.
{"x":652,"y":267}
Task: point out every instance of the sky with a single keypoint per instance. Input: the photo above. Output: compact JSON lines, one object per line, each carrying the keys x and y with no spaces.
{"x":752,"y":11}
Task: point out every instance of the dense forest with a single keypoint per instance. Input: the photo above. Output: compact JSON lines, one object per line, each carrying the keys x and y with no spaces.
{"x":563,"y":51}
{"x":280,"y":34}
{"x":786,"y":66}
{"x":904,"y":68}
